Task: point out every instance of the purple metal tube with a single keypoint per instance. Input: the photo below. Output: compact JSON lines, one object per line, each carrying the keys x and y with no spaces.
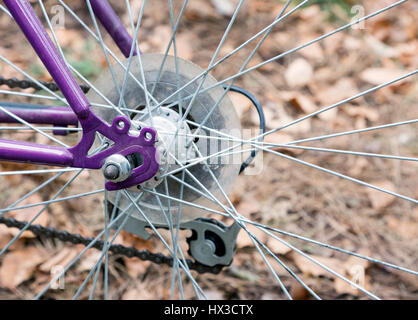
{"x":31,"y":26}
{"x":77,"y":156}
{"x":58,"y":116}
{"x":34,"y":153}
{"x":110,"y":20}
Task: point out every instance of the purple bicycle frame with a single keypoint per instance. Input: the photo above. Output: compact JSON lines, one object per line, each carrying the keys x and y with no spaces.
{"x":77,"y":156}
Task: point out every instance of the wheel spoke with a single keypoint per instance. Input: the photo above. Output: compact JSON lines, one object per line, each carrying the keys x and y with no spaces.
{"x":98,"y":263}
{"x":242,"y":68}
{"x":328,"y":246}
{"x":334,"y":173}
{"x":118,"y":61}
{"x":32,"y":127}
{"x":282,"y":55}
{"x":36,"y":216}
{"x":69,"y":265}
{"x":390,"y":125}
{"x":80,"y":195}
{"x":228,"y":56}
{"x":164,"y":242}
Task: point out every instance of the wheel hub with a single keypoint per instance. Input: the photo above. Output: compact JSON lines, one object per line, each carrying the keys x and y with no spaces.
{"x":163,"y":82}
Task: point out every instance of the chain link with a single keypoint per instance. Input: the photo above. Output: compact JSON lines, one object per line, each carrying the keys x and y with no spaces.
{"x":145,"y":255}
{"x":26,"y":84}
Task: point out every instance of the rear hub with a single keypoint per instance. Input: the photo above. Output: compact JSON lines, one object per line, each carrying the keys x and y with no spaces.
{"x":166,"y":120}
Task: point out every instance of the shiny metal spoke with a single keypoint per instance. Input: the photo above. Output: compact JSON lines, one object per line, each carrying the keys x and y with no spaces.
{"x":105,"y":249}
{"x":113,"y":55}
{"x":334,"y":173}
{"x":226,"y":57}
{"x":5,"y":110}
{"x":282,"y":55}
{"x":36,"y":216}
{"x":164,"y":242}
{"x":345,"y":133}
{"x":172,"y":41}
{"x":202,"y":81}
{"x":328,"y":246}
{"x":77,"y":258}
{"x":242,"y":68}
{"x":76,"y":196}
{"x":102,"y":45}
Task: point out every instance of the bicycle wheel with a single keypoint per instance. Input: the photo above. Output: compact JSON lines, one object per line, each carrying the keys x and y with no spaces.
{"x":240,"y":207}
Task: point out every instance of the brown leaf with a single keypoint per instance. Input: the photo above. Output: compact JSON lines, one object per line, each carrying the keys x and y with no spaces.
{"x":62,"y":258}
{"x":136,"y":267}
{"x":302,"y":102}
{"x":282,"y":138}
{"x":379,"y":199}
{"x":310,"y":268}
{"x":244,"y":240}
{"x":403,"y":226}
{"x":343,"y":89}
{"x":246,"y":207}
{"x":378,"y":76}
{"x":137,"y":294}
{"x":19,"y":265}
{"x":88,"y":261}
{"x":362,"y":111}
{"x":241,"y":103}
{"x":4,"y":235}
{"x":298,"y":291}
{"x":28,"y":214}
{"x":183,"y":45}
{"x":200,"y":10}
{"x":343,"y":287}
{"x":299,"y":73}
{"x":277,"y":247}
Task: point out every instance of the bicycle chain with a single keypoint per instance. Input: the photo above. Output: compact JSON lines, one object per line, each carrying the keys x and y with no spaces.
{"x":65,"y":236}
{"x":130,"y":252}
{"x":26,"y":84}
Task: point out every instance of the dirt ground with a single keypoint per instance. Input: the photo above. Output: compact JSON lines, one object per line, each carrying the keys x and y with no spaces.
{"x":284,"y":195}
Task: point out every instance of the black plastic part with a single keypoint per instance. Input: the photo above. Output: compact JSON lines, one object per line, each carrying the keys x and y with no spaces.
{"x":260,"y":111}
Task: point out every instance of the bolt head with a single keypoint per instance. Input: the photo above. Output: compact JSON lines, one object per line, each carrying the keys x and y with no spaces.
{"x":111,"y":172}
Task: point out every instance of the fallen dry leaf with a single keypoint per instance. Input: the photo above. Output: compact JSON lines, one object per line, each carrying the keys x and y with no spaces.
{"x":403,"y":226}
{"x":137,"y":294}
{"x":379,"y":199}
{"x":241,"y":103}
{"x":299,"y":73}
{"x":62,"y":258}
{"x":277,"y":247}
{"x":310,"y":268}
{"x":183,"y":45}
{"x":19,"y":265}
{"x":300,"y":101}
{"x":247,"y":207}
{"x":135,"y":267}
{"x":89,"y":260}
{"x":28,"y":214}
{"x":362,"y":111}
{"x":282,"y":138}
{"x":244,"y":240}
{"x":5,"y":236}
{"x":343,"y":287}
{"x":378,"y":76}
